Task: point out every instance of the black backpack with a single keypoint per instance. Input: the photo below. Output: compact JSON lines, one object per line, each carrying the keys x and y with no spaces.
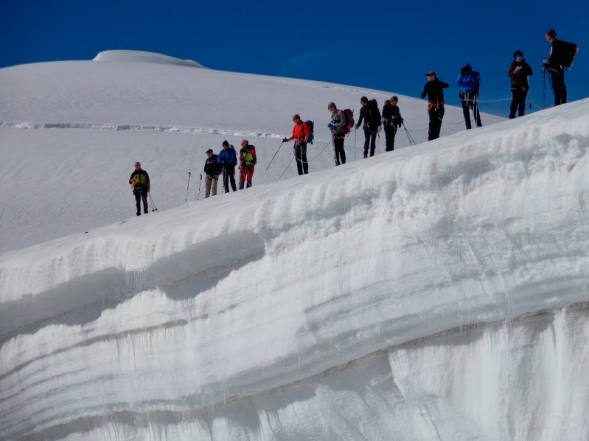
{"x":477,"y":77}
{"x":569,"y":53}
{"x":374,"y":118}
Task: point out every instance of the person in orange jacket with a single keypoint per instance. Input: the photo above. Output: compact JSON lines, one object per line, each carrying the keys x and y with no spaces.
{"x":300,"y":133}
{"x":247,"y":162}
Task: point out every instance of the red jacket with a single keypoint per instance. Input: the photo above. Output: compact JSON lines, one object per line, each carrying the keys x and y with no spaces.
{"x":300,"y":131}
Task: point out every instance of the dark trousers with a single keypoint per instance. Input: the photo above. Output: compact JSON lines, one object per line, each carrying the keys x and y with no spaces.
{"x":300,"y":152}
{"x":436,"y":114}
{"x":338,"y":146}
{"x":229,"y":175}
{"x":369,"y":139}
{"x":140,"y":194}
{"x":390,"y":132}
{"x":518,"y":102}
{"x":469,"y":101}
{"x":558,"y":87}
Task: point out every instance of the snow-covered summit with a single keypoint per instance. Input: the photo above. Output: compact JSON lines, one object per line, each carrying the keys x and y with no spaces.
{"x":144,"y":57}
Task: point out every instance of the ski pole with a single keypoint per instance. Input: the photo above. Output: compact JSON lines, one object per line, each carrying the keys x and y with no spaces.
{"x":199,"y":189}
{"x":186,"y":199}
{"x":274,"y":155}
{"x":544,"y":91}
{"x":154,"y":208}
{"x":354,"y":138}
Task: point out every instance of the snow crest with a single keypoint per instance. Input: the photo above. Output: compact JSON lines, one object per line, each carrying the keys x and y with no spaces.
{"x":340,"y":305}
{"x":144,"y":57}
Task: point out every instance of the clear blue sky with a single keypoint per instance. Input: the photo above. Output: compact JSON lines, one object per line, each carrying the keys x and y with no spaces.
{"x":384,"y":44}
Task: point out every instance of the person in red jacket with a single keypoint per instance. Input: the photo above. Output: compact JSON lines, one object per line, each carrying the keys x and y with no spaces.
{"x":247,"y":162}
{"x":300,"y":133}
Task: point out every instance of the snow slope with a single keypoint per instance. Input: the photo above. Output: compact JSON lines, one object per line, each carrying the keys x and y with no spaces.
{"x":70,"y":133}
{"x":439,"y":292}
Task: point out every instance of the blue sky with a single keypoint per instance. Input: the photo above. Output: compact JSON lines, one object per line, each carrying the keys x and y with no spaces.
{"x":384,"y":45}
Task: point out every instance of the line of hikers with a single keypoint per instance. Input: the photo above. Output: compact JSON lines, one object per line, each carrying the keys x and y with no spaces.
{"x":372,"y":121}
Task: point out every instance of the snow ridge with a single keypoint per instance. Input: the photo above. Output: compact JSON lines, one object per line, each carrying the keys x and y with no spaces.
{"x":144,"y":57}
{"x":137,"y":128}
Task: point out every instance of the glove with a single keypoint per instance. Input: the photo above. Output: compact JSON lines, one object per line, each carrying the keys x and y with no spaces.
{"x":330,"y":126}
{"x":285,"y":140}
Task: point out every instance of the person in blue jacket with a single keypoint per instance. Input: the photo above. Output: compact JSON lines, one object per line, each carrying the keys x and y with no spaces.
{"x":228,"y":160}
{"x":468,"y":82}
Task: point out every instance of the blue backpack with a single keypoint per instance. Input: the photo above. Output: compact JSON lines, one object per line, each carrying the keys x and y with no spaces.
{"x":312,"y":135}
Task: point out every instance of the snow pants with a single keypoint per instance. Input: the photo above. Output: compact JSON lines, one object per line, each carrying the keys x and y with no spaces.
{"x":229,"y":176}
{"x":518,"y":102}
{"x":390,"y":132}
{"x":369,"y":139}
{"x":300,"y":152}
{"x":436,"y":114}
{"x":246,"y":174}
{"x":338,"y":147}
{"x":558,"y":87}
{"x":211,"y":185}
{"x":469,"y":101}
{"x":140,"y":194}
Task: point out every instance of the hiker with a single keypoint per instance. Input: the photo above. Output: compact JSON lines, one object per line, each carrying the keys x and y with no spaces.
{"x":338,"y":132}
{"x":247,"y":162}
{"x":370,"y":114}
{"x":519,"y":72}
{"x":139,"y":181}
{"x":391,"y":121}
{"x":227,"y":158}
{"x":300,"y":133}
{"x":434,"y":89}
{"x":212,"y":170}
{"x":556,"y":65}
{"x":468,"y":81}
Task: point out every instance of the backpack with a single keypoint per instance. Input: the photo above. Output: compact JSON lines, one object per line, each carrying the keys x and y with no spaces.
{"x":249,"y":156}
{"x":374,"y":119}
{"x":312,"y":135}
{"x":349,"y":121}
{"x":569,"y":54}
{"x":477,"y":77}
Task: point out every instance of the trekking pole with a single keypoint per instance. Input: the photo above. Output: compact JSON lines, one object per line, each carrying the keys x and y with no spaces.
{"x":544,"y":91}
{"x":355,"y":132}
{"x":274,"y":155}
{"x":409,"y":137}
{"x":334,"y":152}
{"x":199,"y":190}
{"x":186,"y":199}
{"x":154,"y":208}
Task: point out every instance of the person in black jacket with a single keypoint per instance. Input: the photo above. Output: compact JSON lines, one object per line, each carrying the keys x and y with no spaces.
{"x":391,"y":116}
{"x":212,"y":170}
{"x":434,"y":89}
{"x":519,"y":72}
{"x":370,"y":115}
{"x":554,"y":65}
{"x":139,"y":181}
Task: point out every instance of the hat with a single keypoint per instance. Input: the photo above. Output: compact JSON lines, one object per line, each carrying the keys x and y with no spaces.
{"x":364,"y":99}
{"x":551,"y":33}
{"x":209,"y":151}
{"x":431,"y":72}
{"x":225,"y":143}
{"x":518,"y":54}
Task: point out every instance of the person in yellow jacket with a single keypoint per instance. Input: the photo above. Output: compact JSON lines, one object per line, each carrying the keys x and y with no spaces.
{"x":139,"y":181}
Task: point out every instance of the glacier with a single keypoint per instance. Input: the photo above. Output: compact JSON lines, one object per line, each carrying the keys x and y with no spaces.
{"x":437,"y":292}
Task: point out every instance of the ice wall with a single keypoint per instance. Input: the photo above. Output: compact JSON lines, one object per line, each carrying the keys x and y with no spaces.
{"x":373,"y":300}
